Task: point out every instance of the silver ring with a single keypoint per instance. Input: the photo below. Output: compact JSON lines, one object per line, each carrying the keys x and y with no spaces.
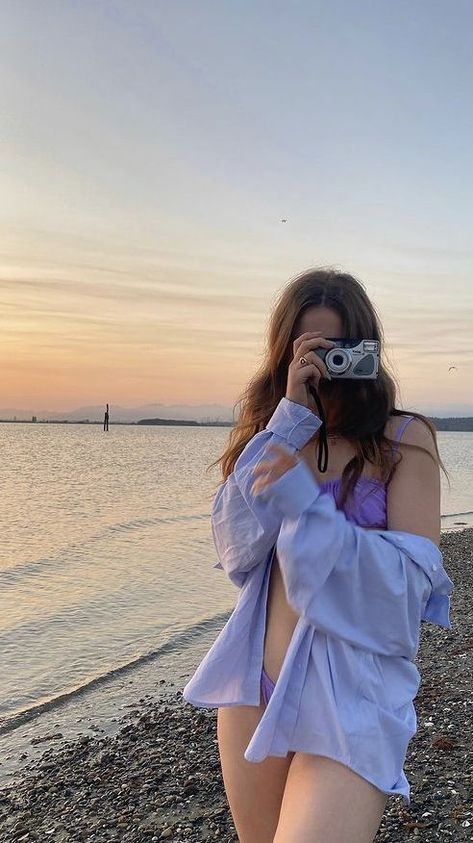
{"x":303,"y":361}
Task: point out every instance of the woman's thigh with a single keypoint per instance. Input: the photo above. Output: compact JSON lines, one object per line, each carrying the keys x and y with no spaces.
{"x":254,"y":790}
{"x":326,"y":802}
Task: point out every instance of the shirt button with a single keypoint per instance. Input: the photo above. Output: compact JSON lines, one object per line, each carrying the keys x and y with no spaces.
{"x":434,"y":567}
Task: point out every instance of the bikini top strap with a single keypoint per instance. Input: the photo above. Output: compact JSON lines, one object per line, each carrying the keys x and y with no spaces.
{"x":404,"y":422}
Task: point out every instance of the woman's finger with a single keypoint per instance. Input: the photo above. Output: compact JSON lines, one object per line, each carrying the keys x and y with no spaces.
{"x":317,"y":361}
{"x":269,"y":465}
{"x":305,"y":336}
{"x":258,"y":485}
{"x":312,"y":372}
{"x":263,"y":467}
{"x":281,"y":460}
{"x":274,"y":472}
{"x":310,"y":343}
{"x":310,"y":340}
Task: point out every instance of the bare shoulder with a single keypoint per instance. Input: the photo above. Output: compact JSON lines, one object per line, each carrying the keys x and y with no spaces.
{"x":416,"y":432}
{"x":413,"y":500}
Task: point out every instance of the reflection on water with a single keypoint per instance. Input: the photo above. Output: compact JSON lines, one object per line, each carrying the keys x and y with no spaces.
{"x":107,"y":551}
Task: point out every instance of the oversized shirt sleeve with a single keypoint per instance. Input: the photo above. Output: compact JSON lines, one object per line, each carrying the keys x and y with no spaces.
{"x":244,"y":527}
{"x":351,"y":582}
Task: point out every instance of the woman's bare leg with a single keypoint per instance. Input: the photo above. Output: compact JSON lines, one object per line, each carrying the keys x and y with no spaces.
{"x":254,"y":791}
{"x":326,"y":802}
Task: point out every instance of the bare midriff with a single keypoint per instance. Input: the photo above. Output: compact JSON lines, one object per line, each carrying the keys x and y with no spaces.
{"x":281,"y":619}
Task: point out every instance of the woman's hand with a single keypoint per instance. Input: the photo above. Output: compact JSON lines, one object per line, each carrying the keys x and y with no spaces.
{"x":270,"y":470}
{"x":299,"y":376}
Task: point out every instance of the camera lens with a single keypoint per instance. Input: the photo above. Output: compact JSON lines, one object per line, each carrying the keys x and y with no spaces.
{"x":337,"y":360}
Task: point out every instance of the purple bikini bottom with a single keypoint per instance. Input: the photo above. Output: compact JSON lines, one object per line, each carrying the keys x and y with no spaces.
{"x":267,"y":686}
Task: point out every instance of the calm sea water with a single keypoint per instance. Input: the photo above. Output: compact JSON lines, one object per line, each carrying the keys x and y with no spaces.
{"x":106,"y":554}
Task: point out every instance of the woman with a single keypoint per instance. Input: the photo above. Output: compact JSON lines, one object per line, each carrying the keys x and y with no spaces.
{"x":313,"y":675}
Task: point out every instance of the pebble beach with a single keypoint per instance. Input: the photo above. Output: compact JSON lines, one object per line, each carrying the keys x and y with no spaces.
{"x":159,"y":777}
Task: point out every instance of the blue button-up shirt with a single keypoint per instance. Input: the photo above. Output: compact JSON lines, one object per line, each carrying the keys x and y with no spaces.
{"x":348,"y":679}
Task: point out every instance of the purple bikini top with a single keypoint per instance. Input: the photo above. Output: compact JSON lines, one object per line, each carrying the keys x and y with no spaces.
{"x":367,"y":505}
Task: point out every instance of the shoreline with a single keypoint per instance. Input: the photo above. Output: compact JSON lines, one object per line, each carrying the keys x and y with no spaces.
{"x":123,"y":674}
{"x":158,"y":776}
{"x":66,"y":716}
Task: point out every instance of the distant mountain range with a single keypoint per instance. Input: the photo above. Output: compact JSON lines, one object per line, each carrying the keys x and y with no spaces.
{"x":200,"y":412}
{"x":453,"y":423}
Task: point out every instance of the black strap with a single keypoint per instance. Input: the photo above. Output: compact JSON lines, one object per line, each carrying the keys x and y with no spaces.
{"x":322,"y":457}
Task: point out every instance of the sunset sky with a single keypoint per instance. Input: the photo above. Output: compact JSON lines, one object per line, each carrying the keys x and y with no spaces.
{"x":150,"y":150}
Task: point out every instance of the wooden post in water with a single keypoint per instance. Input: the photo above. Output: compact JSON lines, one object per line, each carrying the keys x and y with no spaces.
{"x":105,"y":421}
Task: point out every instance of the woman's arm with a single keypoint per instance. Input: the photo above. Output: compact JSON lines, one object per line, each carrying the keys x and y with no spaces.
{"x":245,"y":527}
{"x":413,"y":501}
{"x":369,"y":587}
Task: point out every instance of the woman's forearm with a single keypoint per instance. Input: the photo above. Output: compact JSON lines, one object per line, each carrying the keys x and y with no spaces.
{"x":244,"y":526}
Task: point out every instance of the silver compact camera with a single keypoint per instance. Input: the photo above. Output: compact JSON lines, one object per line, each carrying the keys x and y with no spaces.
{"x":351,"y":358}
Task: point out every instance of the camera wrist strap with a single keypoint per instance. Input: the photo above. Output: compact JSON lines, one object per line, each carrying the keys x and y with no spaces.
{"x":322,"y":455}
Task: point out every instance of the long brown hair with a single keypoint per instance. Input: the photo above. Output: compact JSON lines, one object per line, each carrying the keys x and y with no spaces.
{"x":364,"y":405}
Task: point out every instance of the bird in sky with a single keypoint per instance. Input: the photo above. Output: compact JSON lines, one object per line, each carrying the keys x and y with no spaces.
{"x":452,"y":367}
{"x":283,"y":220}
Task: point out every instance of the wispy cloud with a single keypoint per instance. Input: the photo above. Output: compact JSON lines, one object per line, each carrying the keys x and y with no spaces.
{"x":142,"y":242}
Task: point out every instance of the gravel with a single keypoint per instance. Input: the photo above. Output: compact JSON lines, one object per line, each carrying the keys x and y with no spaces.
{"x":159,"y":777}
